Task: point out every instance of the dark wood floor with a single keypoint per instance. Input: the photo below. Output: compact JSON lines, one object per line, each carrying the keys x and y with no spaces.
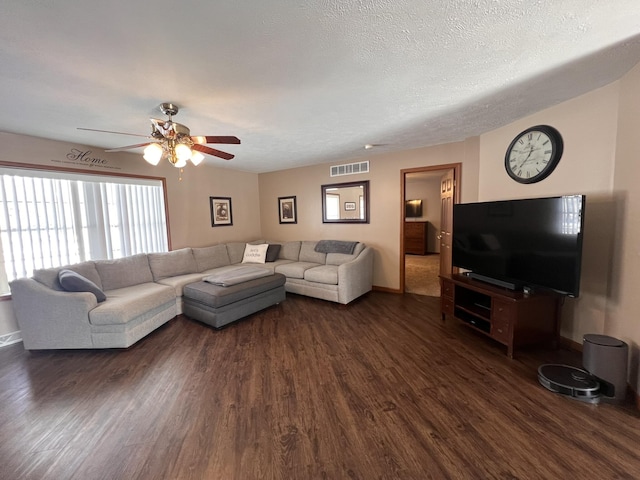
{"x":304,"y":390}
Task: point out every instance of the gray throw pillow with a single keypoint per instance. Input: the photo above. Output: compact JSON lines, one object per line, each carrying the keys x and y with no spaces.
{"x":74,"y":282}
{"x":273,"y":251}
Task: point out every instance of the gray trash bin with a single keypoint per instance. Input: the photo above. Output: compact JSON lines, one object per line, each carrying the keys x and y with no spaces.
{"x":606,"y":358}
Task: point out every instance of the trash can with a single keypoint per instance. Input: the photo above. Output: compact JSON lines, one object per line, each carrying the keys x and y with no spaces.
{"x":606,"y":359}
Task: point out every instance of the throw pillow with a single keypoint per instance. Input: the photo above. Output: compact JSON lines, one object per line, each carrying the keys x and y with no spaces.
{"x":255,"y":253}
{"x":273,"y":251}
{"x":74,"y":282}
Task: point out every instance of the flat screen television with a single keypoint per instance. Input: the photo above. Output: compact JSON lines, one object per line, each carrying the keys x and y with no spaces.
{"x":534,"y":243}
{"x":413,"y":208}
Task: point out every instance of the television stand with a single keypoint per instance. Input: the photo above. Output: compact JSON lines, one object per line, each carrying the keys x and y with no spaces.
{"x":509,"y":317}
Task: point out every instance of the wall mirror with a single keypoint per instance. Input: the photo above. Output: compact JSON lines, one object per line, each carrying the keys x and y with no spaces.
{"x":345,"y":202}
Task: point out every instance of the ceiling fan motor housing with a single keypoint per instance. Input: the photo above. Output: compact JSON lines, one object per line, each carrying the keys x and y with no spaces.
{"x":169,"y":109}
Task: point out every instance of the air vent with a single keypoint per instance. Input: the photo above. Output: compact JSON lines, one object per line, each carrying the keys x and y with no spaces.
{"x":349,"y":169}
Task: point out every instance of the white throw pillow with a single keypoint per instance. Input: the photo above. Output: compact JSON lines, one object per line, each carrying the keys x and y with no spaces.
{"x":255,"y":253}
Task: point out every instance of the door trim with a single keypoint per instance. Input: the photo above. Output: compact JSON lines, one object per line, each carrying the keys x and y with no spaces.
{"x":457,"y":175}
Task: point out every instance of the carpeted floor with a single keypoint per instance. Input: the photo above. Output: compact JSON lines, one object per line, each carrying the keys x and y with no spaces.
{"x":421,"y":274}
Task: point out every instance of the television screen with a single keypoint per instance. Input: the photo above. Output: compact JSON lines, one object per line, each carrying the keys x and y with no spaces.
{"x":413,"y":208}
{"x":534,"y":243}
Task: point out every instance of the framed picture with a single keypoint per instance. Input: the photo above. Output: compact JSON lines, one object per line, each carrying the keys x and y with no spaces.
{"x":220,"y":211}
{"x":287,"y":210}
{"x":349,"y":206}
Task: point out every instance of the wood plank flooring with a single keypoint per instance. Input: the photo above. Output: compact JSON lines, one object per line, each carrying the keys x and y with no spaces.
{"x":308,"y":389}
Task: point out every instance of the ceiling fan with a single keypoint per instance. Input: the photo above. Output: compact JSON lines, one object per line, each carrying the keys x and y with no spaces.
{"x":173,"y":141}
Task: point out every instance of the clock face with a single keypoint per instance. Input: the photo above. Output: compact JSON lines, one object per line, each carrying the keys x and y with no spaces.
{"x":533,"y":154}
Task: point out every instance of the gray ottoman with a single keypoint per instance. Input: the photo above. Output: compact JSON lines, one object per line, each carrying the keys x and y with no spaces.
{"x":217,"y":306}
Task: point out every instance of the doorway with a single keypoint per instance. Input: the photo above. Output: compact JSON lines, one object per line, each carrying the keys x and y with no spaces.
{"x":427,"y":198}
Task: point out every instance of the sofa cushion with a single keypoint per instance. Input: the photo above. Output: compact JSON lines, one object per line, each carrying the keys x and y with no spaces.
{"x":74,"y":282}
{"x":295,"y":269}
{"x":290,"y":251}
{"x":124,"y":272}
{"x":273,"y":252}
{"x":271,"y":266}
{"x":335,"y":246}
{"x":178,"y":283}
{"x":255,"y":253}
{"x":172,"y":264}
{"x":340,"y":258}
{"x":49,"y":276}
{"x":125,"y":304}
{"x":235,"y":251}
{"x":211,"y":257}
{"x":327,"y":274}
{"x":309,"y":254}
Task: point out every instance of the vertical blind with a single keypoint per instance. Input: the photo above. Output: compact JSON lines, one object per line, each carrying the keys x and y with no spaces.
{"x":49,"y":219}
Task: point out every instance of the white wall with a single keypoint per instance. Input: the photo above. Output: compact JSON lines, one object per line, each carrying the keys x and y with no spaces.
{"x":588,"y":125}
{"x":623,"y":305}
{"x":387,"y":205}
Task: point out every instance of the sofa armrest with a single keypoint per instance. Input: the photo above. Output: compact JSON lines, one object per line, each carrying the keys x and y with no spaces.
{"x":355,"y":278}
{"x":50,"y":318}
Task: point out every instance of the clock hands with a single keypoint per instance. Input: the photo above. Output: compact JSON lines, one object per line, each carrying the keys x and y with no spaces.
{"x":531,"y":149}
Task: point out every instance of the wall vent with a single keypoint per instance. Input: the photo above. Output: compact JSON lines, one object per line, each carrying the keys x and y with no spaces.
{"x":349,"y":169}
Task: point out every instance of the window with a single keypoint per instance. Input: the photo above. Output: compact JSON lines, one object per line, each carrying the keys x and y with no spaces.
{"x":49,"y":219}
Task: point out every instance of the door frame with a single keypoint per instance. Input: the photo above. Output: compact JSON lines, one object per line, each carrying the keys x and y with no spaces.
{"x":457,"y":177}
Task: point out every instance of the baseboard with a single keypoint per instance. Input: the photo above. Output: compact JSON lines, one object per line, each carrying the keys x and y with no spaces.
{"x":385,"y":289}
{"x":569,"y":344}
{"x":10,"y":338}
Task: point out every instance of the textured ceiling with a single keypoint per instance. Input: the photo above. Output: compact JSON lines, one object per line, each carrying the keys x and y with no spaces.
{"x":303,"y":82}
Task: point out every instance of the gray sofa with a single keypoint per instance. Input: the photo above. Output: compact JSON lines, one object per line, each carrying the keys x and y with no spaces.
{"x":145,"y":291}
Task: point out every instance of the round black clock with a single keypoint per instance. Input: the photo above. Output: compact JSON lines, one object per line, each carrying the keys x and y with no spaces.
{"x":533,"y":154}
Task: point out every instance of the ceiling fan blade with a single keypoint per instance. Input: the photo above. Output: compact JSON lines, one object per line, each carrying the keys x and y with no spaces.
{"x":215,"y":139}
{"x":109,"y":131}
{"x":212,"y":151}
{"x":128,"y":147}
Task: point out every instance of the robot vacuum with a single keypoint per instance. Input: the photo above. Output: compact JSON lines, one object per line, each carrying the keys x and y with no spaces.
{"x":570,"y":381}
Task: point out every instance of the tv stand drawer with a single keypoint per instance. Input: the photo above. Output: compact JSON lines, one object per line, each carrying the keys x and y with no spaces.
{"x":500,"y":330}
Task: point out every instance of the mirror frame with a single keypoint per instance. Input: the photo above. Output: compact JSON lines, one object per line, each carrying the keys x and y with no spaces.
{"x":365,"y":192}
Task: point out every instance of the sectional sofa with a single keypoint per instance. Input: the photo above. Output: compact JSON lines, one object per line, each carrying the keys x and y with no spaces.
{"x":115,"y":303}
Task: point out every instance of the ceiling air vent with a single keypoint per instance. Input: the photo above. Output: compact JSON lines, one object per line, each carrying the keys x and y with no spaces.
{"x":349,"y":169}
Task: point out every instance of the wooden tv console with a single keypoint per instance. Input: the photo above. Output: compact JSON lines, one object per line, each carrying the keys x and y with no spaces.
{"x":511,"y":318}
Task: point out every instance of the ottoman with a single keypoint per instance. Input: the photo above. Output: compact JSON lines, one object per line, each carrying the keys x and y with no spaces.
{"x":217,"y":306}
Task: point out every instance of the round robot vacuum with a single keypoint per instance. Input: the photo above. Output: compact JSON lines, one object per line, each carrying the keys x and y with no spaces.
{"x":570,"y":381}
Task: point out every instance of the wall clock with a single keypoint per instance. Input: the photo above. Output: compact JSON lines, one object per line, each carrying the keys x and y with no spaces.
{"x":533,"y":154}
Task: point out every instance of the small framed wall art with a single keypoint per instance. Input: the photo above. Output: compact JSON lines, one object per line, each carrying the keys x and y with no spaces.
{"x":287,"y":209}
{"x":348,"y":206}
{"x":220,"y":211}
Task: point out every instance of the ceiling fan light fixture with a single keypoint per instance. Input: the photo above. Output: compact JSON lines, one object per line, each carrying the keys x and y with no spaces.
{"x":183,"y":152}
{"x":196,"y":158}
{"x":153,"y":154}
{"x":180,"y":162}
